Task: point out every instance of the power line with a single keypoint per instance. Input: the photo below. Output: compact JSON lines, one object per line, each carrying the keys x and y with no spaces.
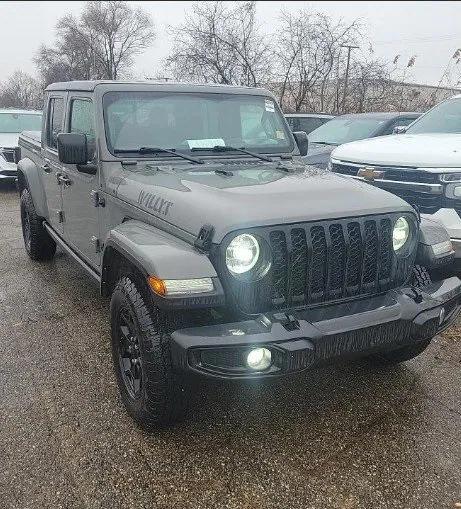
{"x":423,"y":40}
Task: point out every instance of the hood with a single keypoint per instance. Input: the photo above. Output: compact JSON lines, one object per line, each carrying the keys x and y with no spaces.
{"x":318,"y":154}
{"x":250,"y":196}
{"x":413,"y":150}
{"x":9,"y":140}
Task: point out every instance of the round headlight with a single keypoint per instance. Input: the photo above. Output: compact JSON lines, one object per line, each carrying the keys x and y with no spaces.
{"x":401,"y":233}
{"x":242,"y":253}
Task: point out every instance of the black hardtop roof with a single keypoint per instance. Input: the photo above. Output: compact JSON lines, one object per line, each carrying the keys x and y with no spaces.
{"x":165,"y":86}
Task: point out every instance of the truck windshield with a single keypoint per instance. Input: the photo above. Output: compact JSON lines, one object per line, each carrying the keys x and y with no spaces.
{"x":342,"y":130}
{"x":18,"y":122}
{"x":183,"y":121}
{"x":444,"y":118}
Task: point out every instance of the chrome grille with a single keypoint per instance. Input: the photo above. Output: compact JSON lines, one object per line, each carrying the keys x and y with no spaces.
{"x":425,"y":202}
{"x":390,"y":173}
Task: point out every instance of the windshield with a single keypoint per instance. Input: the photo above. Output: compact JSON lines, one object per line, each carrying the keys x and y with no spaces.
{"x":183,"y":121}
{"x":342,"y":130}
{"x":18,"y":122}
{"x":444,"y":118}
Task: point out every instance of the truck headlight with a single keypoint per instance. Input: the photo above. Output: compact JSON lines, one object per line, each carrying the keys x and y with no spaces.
{"x":242,"y":253}
{"x":401,"y":233}
{"x":450,"y":177}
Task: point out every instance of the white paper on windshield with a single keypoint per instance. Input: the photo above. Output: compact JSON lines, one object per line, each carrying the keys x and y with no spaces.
{"x":270,"y":106}
{"x":206,"y":143}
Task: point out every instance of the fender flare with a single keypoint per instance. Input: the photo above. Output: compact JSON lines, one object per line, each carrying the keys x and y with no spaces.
{"x":153,"y":252}
{"x":432,"y":232}
{"x":29,"y":178}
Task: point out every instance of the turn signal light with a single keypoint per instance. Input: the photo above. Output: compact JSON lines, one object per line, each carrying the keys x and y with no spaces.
{"x":180,"y":287}
{"x":157,"y":285}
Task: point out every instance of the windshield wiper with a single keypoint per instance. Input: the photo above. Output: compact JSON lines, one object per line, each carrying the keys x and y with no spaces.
{"x":155,"y":150}
{"x":221,"y":148}
{"x":324,"y":143}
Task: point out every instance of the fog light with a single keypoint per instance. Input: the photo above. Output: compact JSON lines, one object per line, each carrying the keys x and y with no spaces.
{"x":259,"y":359}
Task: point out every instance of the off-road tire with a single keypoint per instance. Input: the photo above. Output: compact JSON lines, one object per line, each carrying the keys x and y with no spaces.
{"x":162,"y":398}
{"x":401,"y":354}
{"x":421,"y":277}
{"x":38,"y":243}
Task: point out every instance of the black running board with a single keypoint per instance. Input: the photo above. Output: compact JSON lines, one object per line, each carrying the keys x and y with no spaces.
{"x":71,"y":252}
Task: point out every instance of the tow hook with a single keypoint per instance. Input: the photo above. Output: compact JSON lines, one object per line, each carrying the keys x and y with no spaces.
{"x":416,"y":295}
{"x":288,"y":321}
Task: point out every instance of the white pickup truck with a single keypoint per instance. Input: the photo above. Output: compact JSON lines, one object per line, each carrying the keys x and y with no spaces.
{"x":422,"y":165}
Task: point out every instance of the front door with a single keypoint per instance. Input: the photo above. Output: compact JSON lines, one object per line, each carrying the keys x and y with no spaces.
{"x":81,"y":212}
{"x":51,"y":167}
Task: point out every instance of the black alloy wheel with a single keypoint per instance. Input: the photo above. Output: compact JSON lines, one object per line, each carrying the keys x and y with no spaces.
{"x":129,"y":354}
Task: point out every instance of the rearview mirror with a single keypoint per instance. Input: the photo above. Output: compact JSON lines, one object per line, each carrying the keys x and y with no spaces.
{"x":302,"y":142}
{"x":399,"y":129}
{"x":72,"y":148}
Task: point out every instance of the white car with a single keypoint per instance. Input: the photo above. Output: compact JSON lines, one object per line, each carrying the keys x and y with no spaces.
{"x":13,"y":122}
{"x":422,"y":166}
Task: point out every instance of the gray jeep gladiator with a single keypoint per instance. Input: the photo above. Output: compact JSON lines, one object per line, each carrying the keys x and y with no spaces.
{"x":223,"y":254}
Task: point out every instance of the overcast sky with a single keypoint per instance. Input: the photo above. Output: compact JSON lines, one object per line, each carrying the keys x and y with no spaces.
{"x":430,"y":30}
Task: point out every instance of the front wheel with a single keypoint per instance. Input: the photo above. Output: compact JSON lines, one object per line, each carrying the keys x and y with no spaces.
{"x":152,"y":394}
{"x":39,"y":245}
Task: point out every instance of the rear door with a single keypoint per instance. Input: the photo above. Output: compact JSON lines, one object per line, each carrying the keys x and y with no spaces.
{"x":51,"y":167}
{"x":81,"y":229}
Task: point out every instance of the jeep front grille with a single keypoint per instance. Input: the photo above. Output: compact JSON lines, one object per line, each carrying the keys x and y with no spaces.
{"x":321,"y":262}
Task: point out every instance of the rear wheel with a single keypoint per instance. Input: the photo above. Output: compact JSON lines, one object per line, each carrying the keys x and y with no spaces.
{"x":38,"y":243}
{"x":152,"y":394}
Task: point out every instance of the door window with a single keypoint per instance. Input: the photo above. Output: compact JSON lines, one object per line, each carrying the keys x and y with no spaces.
{"x":293,"y":123}
{"x":82,"y":122}
{"x":55,"y":120}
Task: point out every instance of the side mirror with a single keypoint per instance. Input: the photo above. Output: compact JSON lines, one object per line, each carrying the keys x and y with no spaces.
{"x":72,"y":148}
{"x":399,"y":129}
{"x":302,"y":142}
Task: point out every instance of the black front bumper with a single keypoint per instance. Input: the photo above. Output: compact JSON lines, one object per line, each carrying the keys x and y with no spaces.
{"x":302,"y":339}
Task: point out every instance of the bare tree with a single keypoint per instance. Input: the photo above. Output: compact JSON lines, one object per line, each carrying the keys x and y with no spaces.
{"x":100,"y":44}
{"x":220,"y":44}
{"x":21,"y":91}
{"x":73,"y":56}
{"x":371,"y":87}
{"x":119,"y":31}
{"x":308,"y":56}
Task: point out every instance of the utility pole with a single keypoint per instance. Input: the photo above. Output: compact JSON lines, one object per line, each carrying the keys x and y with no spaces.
{"x":349,"y":48}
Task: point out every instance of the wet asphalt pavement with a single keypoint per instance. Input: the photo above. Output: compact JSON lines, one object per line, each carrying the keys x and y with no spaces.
{"x":348,"y":436}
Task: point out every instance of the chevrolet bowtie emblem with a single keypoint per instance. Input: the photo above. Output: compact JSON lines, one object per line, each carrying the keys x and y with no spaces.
{"x":369,"y":173}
